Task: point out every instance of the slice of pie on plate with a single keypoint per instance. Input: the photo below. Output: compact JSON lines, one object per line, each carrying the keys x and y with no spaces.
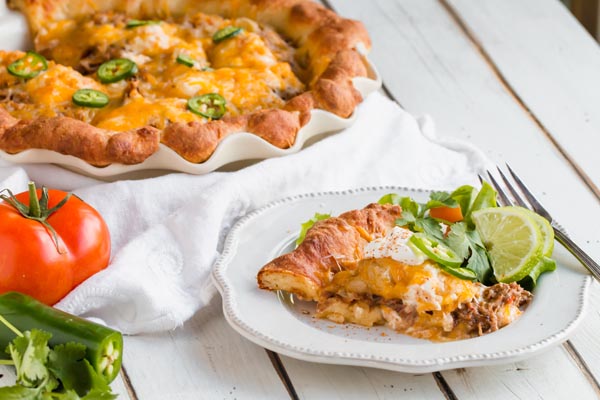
{"x":358,"y":269}
{"x":110,"y":80}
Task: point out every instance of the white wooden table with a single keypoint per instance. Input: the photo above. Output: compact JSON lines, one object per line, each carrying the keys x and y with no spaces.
{"x":518,"y":78}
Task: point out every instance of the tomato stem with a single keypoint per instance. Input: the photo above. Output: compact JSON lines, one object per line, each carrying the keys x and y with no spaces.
{"x":34,"y":202}
{"x":38,"y":208}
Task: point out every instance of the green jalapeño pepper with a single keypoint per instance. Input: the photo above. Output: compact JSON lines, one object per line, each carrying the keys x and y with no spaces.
{"x":28,"y":66}
{"x":116,"y":69}
{"x":186,"y":60}
{"x":134,"y":23}
{"x":210,"y":105}
{"x":226,"y":33}
{"x":104,"y":346}
{"x":447,"y":259}
{"x":90,"y":98}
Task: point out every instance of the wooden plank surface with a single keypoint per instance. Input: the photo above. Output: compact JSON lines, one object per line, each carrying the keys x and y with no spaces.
{"x":324,"y":381}
{"x":204,"y":359}
{"x":552,"y":66}
{"x":542,"y":377}
{"x":587,"y":340}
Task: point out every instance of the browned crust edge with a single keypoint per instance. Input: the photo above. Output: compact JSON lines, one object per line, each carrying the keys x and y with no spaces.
{"x":326,"y":40}
{"x":76,"y":138}
{"x":329,"y":245}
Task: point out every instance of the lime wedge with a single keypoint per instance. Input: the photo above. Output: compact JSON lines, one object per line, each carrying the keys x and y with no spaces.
{"x":513,"y":240}
{"x":545,"y":265}
{"x":546,"y":231}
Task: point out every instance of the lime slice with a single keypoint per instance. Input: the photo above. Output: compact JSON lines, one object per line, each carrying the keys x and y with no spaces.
{"x":513,"y":241}
{"x":546,"y":231}
{"x":545,"y":265}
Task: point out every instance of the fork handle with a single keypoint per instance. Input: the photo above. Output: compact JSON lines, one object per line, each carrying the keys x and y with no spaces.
{"x":581,"y":255}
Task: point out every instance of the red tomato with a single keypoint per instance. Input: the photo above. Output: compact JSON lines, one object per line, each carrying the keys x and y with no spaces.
{"x":31,"y":262}
{"x":449,"y":214}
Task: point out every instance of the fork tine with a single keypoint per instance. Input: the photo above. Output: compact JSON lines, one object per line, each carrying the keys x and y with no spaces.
{"x":512,"y":190}
{"x":537,"y":206}
{"x":501,"y":193}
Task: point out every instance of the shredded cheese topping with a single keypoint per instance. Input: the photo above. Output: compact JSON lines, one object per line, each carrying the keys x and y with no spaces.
{"x":253,"y":70}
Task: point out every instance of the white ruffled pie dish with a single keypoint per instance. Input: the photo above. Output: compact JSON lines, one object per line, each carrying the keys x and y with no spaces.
{"x":235,"y":148}
{"x":280,"y":324}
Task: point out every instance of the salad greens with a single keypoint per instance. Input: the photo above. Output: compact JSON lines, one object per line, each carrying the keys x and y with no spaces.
{"x":460,"y":237}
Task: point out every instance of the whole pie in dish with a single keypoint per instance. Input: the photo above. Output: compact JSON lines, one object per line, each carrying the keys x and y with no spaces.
{"x":110,"y":80}
{"x":342,"y":265}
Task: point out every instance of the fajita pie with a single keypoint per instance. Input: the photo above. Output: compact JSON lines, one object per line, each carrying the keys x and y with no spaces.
{"x":109,"y":81}
{"x":350,"y":266}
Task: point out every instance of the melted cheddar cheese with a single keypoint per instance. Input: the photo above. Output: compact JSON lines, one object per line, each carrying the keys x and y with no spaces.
{"x":253,"y":70}
{"x":56,"y":86}
{"x":424,"y":286}
{"x":417,"y":300}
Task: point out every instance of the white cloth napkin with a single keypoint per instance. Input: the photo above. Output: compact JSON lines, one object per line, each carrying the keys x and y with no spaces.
{"x":167,"y":231}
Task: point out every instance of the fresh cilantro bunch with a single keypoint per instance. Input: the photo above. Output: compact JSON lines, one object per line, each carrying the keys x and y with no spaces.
{"x":461,"y":237}
{"x":44,"y":373}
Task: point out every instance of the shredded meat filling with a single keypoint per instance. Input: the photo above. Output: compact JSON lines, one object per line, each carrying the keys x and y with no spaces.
{"x":12,"y":95}
{"x":405,"y":317}
{"x":481,"y":317}
{"x":93,"y":57}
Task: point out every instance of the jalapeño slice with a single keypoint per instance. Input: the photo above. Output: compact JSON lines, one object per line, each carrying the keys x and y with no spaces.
{"x":460,"y":272}
{"x":226,"y":33}
{"x":447,"y":259}
{"x":90,"y":98}
{"x":211,"y":105}
{"x":438,"y":252}
{"x":186,"y":60}
{"x":29,"y":66}
{"x":116,"y":69}
{"x":134,"y":23}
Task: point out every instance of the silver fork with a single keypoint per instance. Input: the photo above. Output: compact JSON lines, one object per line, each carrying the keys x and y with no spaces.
{"x":534,"y":205}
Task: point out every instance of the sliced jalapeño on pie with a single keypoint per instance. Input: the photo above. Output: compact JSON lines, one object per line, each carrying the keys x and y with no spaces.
{"x":116,"y":69}
{"x":134,"y":23}
{"x":28,"y":66}
{"x":186,"y":60}
{"x":90,"y":98}
{"x":226,"y":33}
{"x":210,"y":105}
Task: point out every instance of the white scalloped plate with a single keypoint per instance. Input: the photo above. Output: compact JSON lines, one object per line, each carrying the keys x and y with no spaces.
{"x":234,"y":148}
{"x":274,"y":322}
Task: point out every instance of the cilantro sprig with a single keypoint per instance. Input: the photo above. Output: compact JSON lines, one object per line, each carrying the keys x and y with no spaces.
{"x":467,"y":243}
{"x":44,"y":373}
{"x":414,"y":215}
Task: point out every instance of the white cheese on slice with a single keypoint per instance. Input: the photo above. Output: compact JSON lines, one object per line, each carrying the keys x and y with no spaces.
{"x":395,"y":245}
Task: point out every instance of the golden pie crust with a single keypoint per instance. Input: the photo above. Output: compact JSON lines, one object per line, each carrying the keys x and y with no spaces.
{"x":329,"y":246}
{"x":325,"y":52}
